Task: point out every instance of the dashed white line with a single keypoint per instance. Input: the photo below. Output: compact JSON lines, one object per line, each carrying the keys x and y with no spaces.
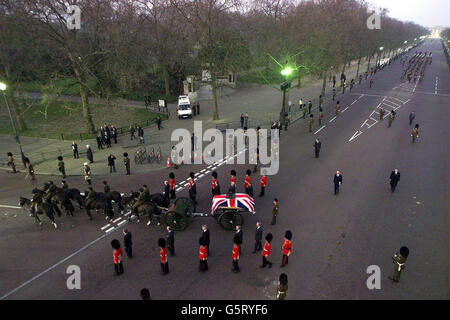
{"x":345,"y":109}
{"x":319,"y":129}
{"x":332,"y":119}
{"x":104,"y":227}
{"x":110,"y":229}
{"x":120,"y":223}
{"x":114,"y":221}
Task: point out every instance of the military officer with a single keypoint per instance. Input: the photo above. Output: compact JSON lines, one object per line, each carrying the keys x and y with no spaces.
{"x":320,"y":116}
{"x":337,"y":107}
{"x":192,"y":188}
{"x":117,"y":257}
{"x":11,"y":162}
{"x":263,"y":185}
{"x":87,"y":173}
{"x":266,"y":252}
{"x":203,"y":256}
{"x":381,"y":113}
{"x":311,"y":122}
{"x":61,"y":166}
{"x":415,"y":134}
{"x":399,"y":259}
{"x":282,"y":287}
{"x":90,"y":197}
{"x":275,"y":211}
{"x":163,"y":256}
{"x":287,"y":247}
{"x":394,"y":178}
{"x":126,"y":161}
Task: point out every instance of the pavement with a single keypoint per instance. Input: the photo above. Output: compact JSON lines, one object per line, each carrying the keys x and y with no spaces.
{"x":261,"y":102}
{"x":335,"y":237}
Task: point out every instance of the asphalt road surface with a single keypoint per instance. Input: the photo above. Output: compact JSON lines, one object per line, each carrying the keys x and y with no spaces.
{"x":335,"y":238}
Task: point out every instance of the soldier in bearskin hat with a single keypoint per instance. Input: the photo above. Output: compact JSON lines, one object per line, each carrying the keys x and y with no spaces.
{"x":399,"y":260}
{"x":235,"y":254}
{"x":117,"y":256}
{"x":172,"y":185}
{"x":287,"y":247}
{"x":126,"y":161}
{"x":61,"y":166}
{"x":203,"y":256}
{"x":215,"y":187}
{"x":266,"y":252}
{"x":247,"y":180}
{"x":282,"y":287}
{"x":192,"y":188}
{"x":163,"y":256}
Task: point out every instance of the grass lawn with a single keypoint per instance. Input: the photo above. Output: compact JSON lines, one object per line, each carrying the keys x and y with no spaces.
{"x":66,"y":118}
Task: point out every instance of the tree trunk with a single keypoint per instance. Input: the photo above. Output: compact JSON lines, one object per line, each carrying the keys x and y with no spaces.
{"x":343,"y":67}
{"x":324,"y":83}
{"x":87,"y":117}
{"x":357,"y":69}
{"x":16,"y":110}
{"x":214,"y":93}
{"x":368,"y":63}
{"x":166,"y":80}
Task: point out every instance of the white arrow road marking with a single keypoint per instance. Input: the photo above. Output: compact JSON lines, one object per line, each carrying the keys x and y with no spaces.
{"x":357,"y":133}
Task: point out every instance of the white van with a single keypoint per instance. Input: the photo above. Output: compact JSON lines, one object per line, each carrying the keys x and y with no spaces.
{"x":184,"y":107}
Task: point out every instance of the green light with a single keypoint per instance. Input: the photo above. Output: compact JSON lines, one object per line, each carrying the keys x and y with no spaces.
{"x":2,"y":86}
{"x":286,"y":71}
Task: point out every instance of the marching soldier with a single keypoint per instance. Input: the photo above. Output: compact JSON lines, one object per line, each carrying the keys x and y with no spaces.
{"x":391,"y":117}
{"x":381,"y":113}
{"x":126,"y":162}
{"x":61,"y":166}
{"x":30,"y":170}
{"x":192,"y":188}
{"x":263,"y":185}
{"x":247,"y":181}
{"x":64,"y":185}
{"x":282,"y":287}
{"x":11,"y":162}
{"x":235,"y":254}
{"x":203,"y":256}
{"x":287,"y":247}
{"x":233,"y":179}
{"x":87,"y":173}
{"x":320,"y":116}
{"x":163,"y":256}
{"x":172,"y":185}
{"x":337,"y":107}
{"x":266,"y":252}
{"x":304,"y":113}
{"x":117,"y":256}
{"x":394,"y":179}
{"x":275,"y":211}
{"x":215,"y":188}
{"x":311,"y":122}
{"x":399,"y":259}
{"x":415,"y":134}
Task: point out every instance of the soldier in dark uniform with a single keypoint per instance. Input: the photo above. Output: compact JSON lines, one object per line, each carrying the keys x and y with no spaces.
{"x":49,"y":194}
{"x":127,"y":243}
{"x":64,"y":185}
{"x":106,"y":188}
{"x":399,"y":259}
{"x":90,"y":197}
{"x":258,"y":237}
{"x":337,"y":107}
{"x":171,"y":241}
{"x":192,"y":188}
{"x":275,"y":211}
{"x":61,"y":166}
{"x":11,"y":162}
{"x":317,"y":146}
{"x":282,"y":287}
{"x":394,"y":178}
{"x":126,"y":161}
{"x":337,"y":180}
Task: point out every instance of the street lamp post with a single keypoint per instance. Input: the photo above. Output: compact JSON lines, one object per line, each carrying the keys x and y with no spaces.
{"x":3,"y":89}
{"x":286,"y":72}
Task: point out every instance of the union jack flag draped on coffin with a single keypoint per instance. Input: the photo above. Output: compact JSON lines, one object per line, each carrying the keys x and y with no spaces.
{"x":239,"y":200}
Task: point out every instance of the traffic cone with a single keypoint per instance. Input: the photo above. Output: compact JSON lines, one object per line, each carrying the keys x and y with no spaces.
{"x":168,"y":163}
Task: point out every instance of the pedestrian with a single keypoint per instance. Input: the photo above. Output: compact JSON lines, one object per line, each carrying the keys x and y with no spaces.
{"x":99,"y":141}
{"x":300,"y":104}
{"x":255,"y":166}
{"x":89,"y":154}
{"x":320,"y":101}
{"x":412,"y":116}
{"x":394,"y":178}
{"x":205,"y":236}
{"x":360,"y":78}
{"x":242,"y":120}
{"x":75,"y":150}
{"x":193,"y":142}
{"x":87,"y":173}
{"x":334,"y":94}
{"x":337,"y":181}
{"x":127,"y":243}
{"x":344,"y":85}
{"x":240,"y":235}
{"x":282,"y":287}
{"x":266,"y":252}
{"x":309,"y":107}
{"x":289,"y":106}
{"x":117,"y":257}
{"x":203,"y":255}
{"x":399,"y":259}
{"x":245,"y":120}
{"x":163,"y":256}
{"x":334,"y":81}
{"x":30,"y":170}
{"x":172,"y":185}
{"x":111,"y":163}
{"x":275,"y":211}
{"x":192,"y":188}
{"x":311,"y":122}
{"x":141,"y":135}
{"x":258,"y":237}
{"x":108,"y":139}
{"x":126,"y":162}
{"x":235,"y":254}
{"x":158,"y":122}
{"x":337,"y":107}
{"x":145,"y":294}
{"x":11,"y":162}
{"x":352,"y":83}
{"x":317,"y":146}
{"x":114,"y":133}
{"x":366,"y":74}
{"x":370,"y":83}
{"x":287,"y":247}
{"x":132,"y":131}
{"x":247,"y":180}
{"x":215,"y":187}
{"x":171,"y":241}
{"x":263,"y":185}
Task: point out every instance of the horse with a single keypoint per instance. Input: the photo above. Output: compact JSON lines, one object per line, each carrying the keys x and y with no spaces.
{"x":74,"y":194}
{"x":63,"y":198}
{"x":47,"y":207}
{"x":151,"y":207}
{"x":101,"y":202}
{"x":52,"y":201}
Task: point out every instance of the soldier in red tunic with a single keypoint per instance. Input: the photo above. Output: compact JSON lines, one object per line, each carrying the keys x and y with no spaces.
{"x":287,"y":247}
{"x":203,"y":255}
{"x":172,"y":185}
{"x":235,"y":254}
{"x":263,"y":184}
{"x":163,"y":256}
{"x":215,"y":187}
{"x":247,"y":180}
{"x":266,"y":252}
{"x":192,"y":188}
{"x":117,"y":256}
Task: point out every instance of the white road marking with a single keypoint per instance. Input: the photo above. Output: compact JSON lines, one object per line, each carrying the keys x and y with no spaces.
{"x":12,"y":207}
{"x":319,"y":129}
{"x":201,"y":176}
{"x":332,"y":119}
{"x":104,"y":227}
{"x":120,"y":223}
{"x":114,"y":221}
{"x":110,"y":229}
{"x":347,"y":107}
{"x":435,"y":86}
{"x":397,"y":99}
{"x":357,"y":133}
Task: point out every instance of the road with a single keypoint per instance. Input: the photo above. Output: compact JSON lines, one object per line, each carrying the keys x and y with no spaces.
{"x":335,"y":238}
